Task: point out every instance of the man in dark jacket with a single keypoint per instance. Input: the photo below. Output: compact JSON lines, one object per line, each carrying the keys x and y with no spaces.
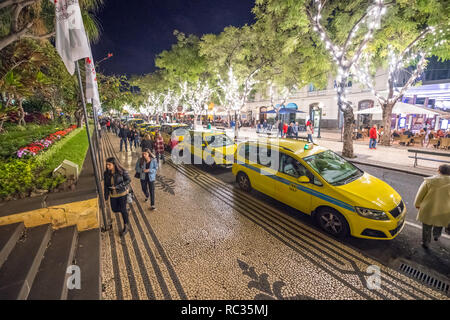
{"x":280,"y":128}
{"x":290,"y":130}
{"x":123,"y":134}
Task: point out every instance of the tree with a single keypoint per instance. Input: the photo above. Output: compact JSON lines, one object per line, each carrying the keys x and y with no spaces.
{"x":411,"y":33}
{"x":20,"y":74}
{"x":183,"y":61}
{"x":196,"y":96}
{"x":152,"y":105}
{"x":346,"y":47}
{"x":237,"y":56}
{"x":20,"y":19}
{"x":234,"y":94}
{"x":294,"y":59}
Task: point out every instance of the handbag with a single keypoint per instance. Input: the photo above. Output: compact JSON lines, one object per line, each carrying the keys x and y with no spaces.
{"x":137,"y":175}
{"x":130,"y":197}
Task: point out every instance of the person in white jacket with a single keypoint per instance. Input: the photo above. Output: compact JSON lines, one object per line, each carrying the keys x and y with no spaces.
{"x":432,"y":201}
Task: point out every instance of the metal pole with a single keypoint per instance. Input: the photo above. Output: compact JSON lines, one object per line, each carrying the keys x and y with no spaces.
{"x":93,"y":158}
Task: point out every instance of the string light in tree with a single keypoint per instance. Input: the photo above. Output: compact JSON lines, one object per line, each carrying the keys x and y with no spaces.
{"x":196,"y":96}
{"x":234,"y":97}
{"x":372,"y":20}
{"x":396,"y":62}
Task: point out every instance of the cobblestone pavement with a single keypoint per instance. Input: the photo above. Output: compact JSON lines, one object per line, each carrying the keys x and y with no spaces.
{"x":208,"y":240}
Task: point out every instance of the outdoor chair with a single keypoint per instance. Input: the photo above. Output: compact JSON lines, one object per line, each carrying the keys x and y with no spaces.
{"x":395,"y":138}
{"x":434,"y":142}
{"x":445,"y":143}
{"x":418,"y":139}
{"x":404,"y":140}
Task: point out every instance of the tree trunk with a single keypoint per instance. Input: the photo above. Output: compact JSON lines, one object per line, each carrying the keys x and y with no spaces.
{"x":236,"y":126}
{"x":79,"y":117}
{"x":387,"y":115}
{"x":21,"y":113}
{"x":349,"y":118}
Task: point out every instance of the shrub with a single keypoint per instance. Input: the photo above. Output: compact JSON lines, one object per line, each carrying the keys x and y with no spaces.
{"x":17,"y":176}
{"x":36,"y":117}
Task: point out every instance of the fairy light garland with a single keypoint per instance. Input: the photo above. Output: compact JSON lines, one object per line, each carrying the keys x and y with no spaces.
{"x":196,"y":96}
{"x":372,"y":20}
{"x":397,"y":61}
{"x":234,"y":98}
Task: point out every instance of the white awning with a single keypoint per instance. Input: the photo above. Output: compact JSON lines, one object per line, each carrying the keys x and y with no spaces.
{"x":401,"y":108}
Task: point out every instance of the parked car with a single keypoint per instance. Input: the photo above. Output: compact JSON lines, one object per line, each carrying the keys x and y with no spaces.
{"x":343,"y":199}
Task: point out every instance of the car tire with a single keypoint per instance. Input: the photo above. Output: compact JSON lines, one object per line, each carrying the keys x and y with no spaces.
{"x":332,"y":222}
{"x":207,"y":165}
{"x":244,"y":182}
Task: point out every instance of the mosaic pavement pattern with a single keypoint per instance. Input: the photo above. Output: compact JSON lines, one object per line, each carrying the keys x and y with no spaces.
{"x":209,"y":240}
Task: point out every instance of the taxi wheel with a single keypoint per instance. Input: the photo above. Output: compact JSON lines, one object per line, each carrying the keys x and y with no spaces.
{"x":210,"y":163}
{"x":333,"y":222}
{"x":244,"y":182}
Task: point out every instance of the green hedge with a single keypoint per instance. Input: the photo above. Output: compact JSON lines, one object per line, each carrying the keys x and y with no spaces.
{"x":19,"y":177}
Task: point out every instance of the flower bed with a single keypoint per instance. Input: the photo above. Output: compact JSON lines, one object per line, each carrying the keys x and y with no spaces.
{"x":37,"y":146}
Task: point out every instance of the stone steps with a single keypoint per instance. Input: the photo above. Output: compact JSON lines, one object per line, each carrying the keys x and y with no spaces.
{"x":34,"y":262}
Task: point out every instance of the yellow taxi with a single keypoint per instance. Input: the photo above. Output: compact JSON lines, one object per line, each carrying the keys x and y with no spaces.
{"x":135,"y":122}
{"x":208,"y":147}
{"x":148,"y":128}
{"x":342,"y":199}
{"x":171,"y":135}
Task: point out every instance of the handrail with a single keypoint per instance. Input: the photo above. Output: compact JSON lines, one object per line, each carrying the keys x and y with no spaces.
{"x":443,"y":154}
{"x":440,"y":154}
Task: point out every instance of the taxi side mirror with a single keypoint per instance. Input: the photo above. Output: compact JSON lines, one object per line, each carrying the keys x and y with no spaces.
{"x":303,"y":179}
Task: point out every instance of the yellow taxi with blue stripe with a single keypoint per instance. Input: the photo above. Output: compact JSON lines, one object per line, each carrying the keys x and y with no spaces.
{"x":342,"y":199}
{"x":209,"y":147}
{"x":148,"y":128}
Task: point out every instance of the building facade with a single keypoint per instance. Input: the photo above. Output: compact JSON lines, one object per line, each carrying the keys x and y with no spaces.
{"x":324,"y":102}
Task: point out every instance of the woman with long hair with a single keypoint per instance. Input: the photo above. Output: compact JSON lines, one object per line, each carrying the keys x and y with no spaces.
{"x":116,"y":181}
{"x":147,"y":142}
{"x":146,"y":167}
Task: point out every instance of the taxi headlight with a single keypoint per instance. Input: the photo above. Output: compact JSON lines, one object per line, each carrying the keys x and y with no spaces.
{"x":371,"y":213}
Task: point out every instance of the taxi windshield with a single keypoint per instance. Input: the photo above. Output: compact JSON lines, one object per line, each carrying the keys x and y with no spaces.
{"x":219,"y":140}
{"x":334,"y":169}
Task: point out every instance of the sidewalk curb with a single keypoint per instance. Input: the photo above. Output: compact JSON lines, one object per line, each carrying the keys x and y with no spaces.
{"x":388,"y":168}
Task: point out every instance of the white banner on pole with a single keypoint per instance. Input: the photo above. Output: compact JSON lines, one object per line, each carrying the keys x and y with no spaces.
{"x":92,"y":95}
{"x":71,"y":40}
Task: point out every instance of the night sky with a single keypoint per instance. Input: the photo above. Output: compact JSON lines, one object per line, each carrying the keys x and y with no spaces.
{"x":135,"y":31}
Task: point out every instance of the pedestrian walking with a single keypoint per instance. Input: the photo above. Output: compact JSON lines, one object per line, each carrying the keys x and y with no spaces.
{"x":290,"y":130}
{"x":296,"y":128}
{"x":108,"y":125}
{"x":136,"y":138}
{"x":280,"y":129}
{"x":116,"y":181}
{"x":147,"y":167}
{"x":123,"y":134}
{"x":131,"y":137}
{"x":159,"y":147}
{"x":309,"y":131}
{"x":373,"y":135}
{"x":147,"y":143}
{"x":432,"y":201}
{"x":285,"y":129}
